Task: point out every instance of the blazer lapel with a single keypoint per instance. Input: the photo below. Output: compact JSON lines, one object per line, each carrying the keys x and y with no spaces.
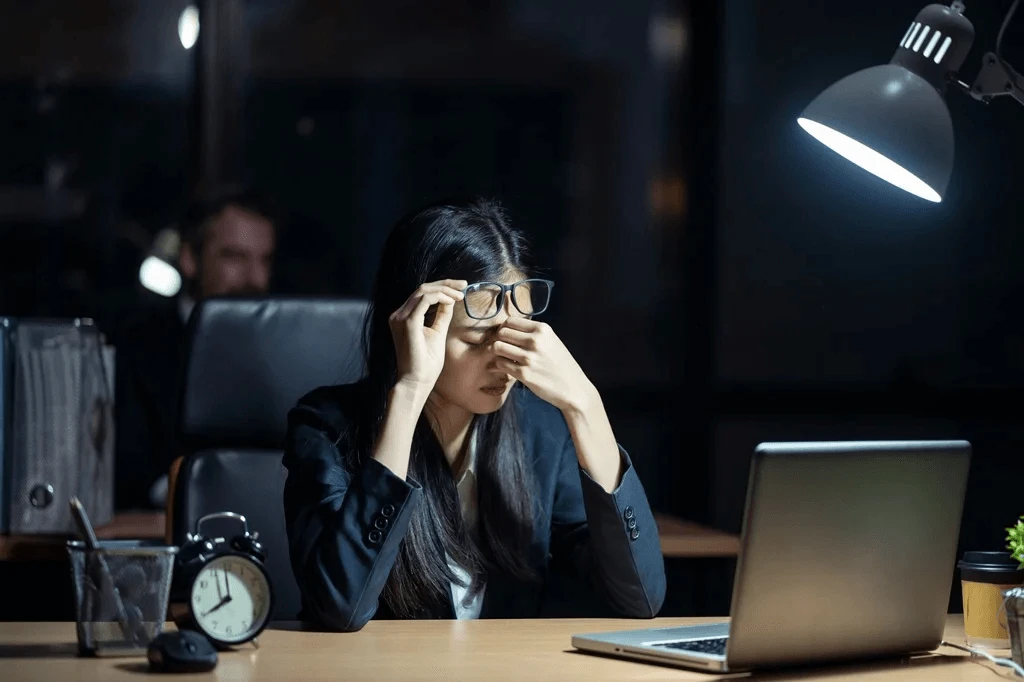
{"x":449,"y":610}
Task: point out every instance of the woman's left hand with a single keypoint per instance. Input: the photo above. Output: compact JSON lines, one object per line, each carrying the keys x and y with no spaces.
{"x":532,"y":353}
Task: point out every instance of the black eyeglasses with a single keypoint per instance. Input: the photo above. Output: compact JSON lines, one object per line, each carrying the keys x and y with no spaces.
{"x":484,"y":300}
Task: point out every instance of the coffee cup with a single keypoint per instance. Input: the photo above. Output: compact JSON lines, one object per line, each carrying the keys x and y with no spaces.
{"x":984,"y":576}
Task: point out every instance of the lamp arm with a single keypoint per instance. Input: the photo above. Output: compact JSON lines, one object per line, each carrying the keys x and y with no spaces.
{"x":996,"y":78}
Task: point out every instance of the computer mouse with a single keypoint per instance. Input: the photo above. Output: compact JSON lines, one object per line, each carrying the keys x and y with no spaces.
{"x":181,"y":651}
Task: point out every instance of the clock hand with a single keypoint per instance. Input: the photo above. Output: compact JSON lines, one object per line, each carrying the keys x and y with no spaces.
{"x":223,"y":601}
{"x":227,"y":584}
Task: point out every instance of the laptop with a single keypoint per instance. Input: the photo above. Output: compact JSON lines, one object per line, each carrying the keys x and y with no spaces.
{"x":847,"y":552}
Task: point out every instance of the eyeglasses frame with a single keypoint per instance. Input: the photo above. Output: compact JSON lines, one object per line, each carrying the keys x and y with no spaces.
{"x":506,"y":288}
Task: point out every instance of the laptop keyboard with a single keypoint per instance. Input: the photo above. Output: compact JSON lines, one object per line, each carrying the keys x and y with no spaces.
{"x":714,"y":645}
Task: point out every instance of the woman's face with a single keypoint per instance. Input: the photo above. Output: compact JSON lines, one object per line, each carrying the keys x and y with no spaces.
{"x":470,"y":378}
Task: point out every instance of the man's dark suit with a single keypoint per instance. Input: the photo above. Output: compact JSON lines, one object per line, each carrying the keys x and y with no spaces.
{"x":150,"y":360}
{"x":345,"y":527}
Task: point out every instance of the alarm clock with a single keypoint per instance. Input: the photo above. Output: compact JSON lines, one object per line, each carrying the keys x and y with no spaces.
{"x":220,"y":586}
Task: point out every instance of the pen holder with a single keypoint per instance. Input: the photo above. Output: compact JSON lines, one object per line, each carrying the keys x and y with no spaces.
{"x":1014,"y":605}
{"x":121,"y":594}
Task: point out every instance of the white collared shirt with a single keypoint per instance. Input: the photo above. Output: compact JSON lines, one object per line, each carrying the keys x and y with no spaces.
{"x":185,"y":306}
{"x":466,"y":486}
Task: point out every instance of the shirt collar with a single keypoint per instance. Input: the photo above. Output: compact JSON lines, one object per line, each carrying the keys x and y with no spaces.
{"x":185,"y":306}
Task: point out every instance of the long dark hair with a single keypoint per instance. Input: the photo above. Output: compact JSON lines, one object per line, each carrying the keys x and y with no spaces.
{"x":470,"y":240}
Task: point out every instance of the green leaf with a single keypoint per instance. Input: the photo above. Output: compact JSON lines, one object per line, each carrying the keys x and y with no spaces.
{"x":1015,"y":541}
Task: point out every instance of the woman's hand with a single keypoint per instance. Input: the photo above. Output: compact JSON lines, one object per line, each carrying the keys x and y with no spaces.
{"x":420,"y":348}
{"x":532,"y":353}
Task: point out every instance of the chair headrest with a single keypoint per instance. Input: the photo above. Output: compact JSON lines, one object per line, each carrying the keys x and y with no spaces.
{"x":251,"y":359}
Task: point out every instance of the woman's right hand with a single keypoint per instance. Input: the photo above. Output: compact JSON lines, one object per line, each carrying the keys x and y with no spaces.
{"x":420,"y":348}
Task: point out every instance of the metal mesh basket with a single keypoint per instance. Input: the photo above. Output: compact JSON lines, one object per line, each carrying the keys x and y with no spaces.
{"x":121,"y":593}
{"x":1014,"y":604}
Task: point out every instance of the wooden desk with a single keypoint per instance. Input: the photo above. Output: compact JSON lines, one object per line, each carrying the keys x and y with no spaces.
{"x":679,"y":539}
{"x":444,"y":650}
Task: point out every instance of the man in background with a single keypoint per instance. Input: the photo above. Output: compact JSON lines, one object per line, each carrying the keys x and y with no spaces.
{"x":227,"y":248}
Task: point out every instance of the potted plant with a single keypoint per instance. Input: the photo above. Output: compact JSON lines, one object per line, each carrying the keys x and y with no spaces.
{"x":1015,"y":541}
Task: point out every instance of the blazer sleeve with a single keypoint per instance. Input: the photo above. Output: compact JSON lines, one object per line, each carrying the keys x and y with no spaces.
{"x":344,"y":527}
{"x":610,"y":540}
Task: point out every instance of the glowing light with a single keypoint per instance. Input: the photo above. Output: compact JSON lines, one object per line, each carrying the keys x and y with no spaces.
{"x":869,"y":160}
{"x":159,"y":277}
{"x":188,"y":26}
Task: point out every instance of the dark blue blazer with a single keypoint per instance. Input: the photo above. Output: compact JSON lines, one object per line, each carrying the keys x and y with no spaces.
{"x":345,"y":527}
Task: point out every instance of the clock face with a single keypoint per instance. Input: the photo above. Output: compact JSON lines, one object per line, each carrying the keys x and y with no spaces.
{"x":231,"y":599}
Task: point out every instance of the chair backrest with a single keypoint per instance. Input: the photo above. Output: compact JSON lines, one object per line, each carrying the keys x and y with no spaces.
{"x":249,"y":361}
{"x":247,"y":482}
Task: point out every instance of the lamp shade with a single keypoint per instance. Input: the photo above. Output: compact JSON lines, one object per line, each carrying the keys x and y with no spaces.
{"x":892,"y":120}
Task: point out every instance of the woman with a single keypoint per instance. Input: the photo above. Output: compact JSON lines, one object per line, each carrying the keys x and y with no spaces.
{"x":473,"y":460}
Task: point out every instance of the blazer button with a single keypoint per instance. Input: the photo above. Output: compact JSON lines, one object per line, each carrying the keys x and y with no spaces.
{"x":380,"y":523}
{"x":635,"y":534}
{"x":375,"y":536}
{"x":388,"y":510}
{"x":628,"y":513}
{"x":631,"y":524}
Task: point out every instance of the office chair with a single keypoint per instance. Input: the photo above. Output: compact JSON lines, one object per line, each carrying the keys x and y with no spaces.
{"x":249,"y":360}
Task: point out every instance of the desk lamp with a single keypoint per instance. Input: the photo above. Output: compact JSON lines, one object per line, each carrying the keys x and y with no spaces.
{"x":892,"y":120}
{"x":158,"y":273}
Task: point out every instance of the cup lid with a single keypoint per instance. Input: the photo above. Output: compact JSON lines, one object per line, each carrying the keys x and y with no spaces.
{"x":989,"y":561}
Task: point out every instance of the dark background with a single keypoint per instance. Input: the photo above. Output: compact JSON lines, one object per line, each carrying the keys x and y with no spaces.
{"x":844,"y":308}
{"x":720,"y":277}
